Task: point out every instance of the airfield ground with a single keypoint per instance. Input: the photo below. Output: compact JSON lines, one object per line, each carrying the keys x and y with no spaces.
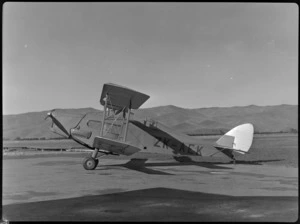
{"x":53,"y":186}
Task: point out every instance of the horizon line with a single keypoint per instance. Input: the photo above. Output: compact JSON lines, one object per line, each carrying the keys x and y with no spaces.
{"x":155,"y":107}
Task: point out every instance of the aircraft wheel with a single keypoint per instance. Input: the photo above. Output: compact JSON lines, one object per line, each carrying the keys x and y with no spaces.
{"x":89,"y":163}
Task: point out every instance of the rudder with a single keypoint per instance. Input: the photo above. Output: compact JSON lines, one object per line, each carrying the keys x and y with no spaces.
{"x":239,"y":139}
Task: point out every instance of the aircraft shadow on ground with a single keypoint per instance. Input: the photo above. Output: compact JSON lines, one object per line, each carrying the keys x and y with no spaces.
{"x":141,"y":165}
{"x":257,"y":162}
{"x":247,"y":162}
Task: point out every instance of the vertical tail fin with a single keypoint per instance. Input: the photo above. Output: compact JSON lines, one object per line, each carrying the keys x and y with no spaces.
{"x":239,"y":139}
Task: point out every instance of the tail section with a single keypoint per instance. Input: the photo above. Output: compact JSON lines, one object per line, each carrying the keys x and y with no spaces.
{"x":238,"y":139}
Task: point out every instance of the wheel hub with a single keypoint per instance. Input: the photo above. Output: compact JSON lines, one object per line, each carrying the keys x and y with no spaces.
{"x":90,"y":163}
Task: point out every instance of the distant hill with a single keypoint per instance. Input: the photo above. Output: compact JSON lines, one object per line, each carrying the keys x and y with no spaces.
{"x":201,"y":121}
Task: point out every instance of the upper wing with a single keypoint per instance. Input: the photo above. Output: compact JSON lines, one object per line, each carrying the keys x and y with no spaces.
{"x":120,"y":97}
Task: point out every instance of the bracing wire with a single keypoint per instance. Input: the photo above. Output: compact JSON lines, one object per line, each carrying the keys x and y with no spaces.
{"x":113,"y":123}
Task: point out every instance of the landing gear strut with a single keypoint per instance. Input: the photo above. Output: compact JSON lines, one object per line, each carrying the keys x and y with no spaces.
{"x":233,"y":159}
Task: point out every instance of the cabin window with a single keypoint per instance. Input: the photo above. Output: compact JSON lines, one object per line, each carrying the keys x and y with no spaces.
{"x":97,"y":125}
{"x":94,"y":124}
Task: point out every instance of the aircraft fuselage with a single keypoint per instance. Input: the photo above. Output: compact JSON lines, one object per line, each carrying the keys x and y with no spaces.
{"x":155,"y":138}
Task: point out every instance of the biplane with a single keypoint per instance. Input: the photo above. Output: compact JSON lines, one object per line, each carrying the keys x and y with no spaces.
{"x":115,"y":133}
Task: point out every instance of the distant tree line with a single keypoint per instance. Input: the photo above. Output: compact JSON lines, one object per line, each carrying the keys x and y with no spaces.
{"x":256,"y":132}
{"x":42,"y":138}
{"x":292,"y":130}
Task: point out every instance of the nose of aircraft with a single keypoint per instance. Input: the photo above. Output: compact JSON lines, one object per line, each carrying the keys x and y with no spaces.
{"x":63,"y":122}
{"x":49,"y":114}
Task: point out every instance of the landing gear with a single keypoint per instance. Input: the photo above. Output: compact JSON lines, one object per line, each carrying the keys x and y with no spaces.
{"x":233,"y":159}
{"x":90,"y":163}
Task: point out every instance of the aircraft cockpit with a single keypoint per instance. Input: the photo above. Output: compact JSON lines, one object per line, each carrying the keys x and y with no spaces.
{"x":150,"y":123}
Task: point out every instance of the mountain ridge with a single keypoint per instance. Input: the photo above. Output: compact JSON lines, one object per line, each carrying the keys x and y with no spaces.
{"x":197,"y":121}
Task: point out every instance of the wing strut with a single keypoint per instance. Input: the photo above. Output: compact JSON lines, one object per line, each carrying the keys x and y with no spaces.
{"x":104,"y":115}
{"x":127,"y":123}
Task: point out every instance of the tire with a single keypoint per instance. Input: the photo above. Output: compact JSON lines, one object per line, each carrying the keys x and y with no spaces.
{"x":89,"y":163}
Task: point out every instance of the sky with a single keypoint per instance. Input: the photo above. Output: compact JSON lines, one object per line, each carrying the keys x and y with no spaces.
{"x":191,"y":55}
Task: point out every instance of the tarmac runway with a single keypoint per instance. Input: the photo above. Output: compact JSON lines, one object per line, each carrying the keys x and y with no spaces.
{"x":128,"y":189}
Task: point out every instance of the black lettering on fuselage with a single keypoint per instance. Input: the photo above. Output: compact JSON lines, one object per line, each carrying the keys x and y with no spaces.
{"x":166,"y":141}
{"x":182,"y":147}
{"x":191,"y":145}
{"x":156,"y":143}
{"x":199,"y":148}
{"x":190,"y":151}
